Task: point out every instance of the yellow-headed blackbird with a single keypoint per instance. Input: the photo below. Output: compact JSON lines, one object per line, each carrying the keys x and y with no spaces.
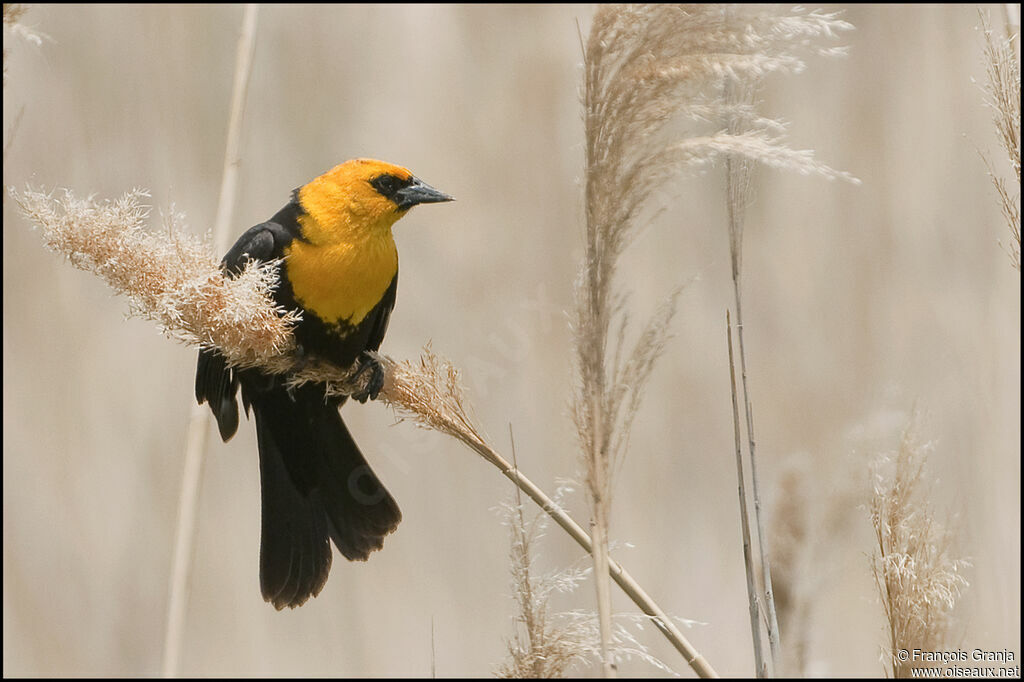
{"x":339,"y":267}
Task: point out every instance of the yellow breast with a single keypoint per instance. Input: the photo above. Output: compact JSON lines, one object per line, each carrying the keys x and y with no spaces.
{"x":342,"y":282}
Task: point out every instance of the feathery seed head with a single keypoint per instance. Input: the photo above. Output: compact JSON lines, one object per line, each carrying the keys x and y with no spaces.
{"x":918,"y":578}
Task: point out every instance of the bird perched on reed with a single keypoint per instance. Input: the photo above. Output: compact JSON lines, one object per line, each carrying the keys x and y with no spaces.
{"x":339,"y":268}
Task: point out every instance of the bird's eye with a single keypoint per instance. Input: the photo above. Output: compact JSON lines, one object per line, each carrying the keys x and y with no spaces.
{"x":385,"y":184}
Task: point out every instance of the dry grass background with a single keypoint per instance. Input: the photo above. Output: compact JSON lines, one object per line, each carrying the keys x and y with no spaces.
{"x":859,"y":301}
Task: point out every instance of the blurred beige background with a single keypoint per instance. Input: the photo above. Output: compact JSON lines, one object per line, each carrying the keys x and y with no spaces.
{"x":860,"y":301}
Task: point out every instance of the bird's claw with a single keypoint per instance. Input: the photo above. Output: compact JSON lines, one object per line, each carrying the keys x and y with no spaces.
{"x":368,"y":363}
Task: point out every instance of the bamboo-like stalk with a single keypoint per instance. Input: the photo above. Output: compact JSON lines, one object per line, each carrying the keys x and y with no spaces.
{"x":748,"y":559}
{"x":599,"y":527}
{"x":738,"y":192}
{"x":766,"y":571}
{"x":602,"y":564}
{"x":198,"y":426}
{"x":433,"y":652}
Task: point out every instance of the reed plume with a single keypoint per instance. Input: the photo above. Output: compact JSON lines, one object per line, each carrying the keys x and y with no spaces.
{"x":919,"y":578}
{"x":549,"y":644}
{"x":170,"y":278}
{"x":1002,"y":95}
{"x":544,"y":645}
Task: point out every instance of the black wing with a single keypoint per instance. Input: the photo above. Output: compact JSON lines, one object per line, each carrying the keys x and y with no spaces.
{"x":381,"y":315}
{"x":216,"y":383}
{"x":262,"y":242}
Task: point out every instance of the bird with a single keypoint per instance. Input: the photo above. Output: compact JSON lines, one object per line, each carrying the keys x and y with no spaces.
{"x":337,"y":265}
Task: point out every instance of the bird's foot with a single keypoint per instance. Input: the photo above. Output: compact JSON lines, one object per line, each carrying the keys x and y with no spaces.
{"x":369,"y":363}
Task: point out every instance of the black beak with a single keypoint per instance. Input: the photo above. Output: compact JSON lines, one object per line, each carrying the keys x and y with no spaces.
{"x":419,"y":192}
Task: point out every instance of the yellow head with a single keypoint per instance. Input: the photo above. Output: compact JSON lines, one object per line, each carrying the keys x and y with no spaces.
{"x":361,"y":198}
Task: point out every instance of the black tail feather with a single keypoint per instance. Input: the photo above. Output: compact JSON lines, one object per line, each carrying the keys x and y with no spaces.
{"x":316,"y":484}
{"x":295,"y":555}
{"x":361,"y":511}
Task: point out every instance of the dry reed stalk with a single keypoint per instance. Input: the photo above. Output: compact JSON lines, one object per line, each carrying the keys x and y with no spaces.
{"x":738,"y":100}
{"x":644,"y":66}
{"x":918,"y":578}
{"x":748,"y":560}
{"x":737,"y":189}
{"x":1002,"y":95}
{"x":793,"y":33}
{"x":198,"y":426}
{"x":619,"y":176}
